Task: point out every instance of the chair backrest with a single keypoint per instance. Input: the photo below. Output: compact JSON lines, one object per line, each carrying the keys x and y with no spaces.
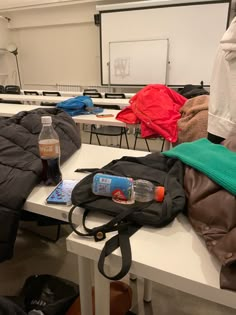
{"x":2,"y":89}
{"x":51,"y":93}
{"x":110,"y":106}
{"x":12,"y":89}
{"x":114,"y":95}
{"x":93,"y":94}
{"x":90,"y":90}
{"x":31,"y":93}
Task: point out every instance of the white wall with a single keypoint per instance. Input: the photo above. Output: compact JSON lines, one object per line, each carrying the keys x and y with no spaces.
{"x":56,"y":44}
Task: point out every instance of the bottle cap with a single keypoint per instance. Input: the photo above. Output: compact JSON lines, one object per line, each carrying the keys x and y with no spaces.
{"x":159,"y":193}
{"x":46,"y":119}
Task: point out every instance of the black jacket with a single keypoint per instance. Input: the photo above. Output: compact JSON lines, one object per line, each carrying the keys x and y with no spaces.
{"x":21,"y":167}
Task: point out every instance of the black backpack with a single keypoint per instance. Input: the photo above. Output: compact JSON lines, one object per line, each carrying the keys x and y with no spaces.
{"x":127,"y":219}
{"x":190,"y":91}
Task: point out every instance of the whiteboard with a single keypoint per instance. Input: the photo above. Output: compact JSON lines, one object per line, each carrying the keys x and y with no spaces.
{"x":193,"y":31}
{"x":138,"y":62}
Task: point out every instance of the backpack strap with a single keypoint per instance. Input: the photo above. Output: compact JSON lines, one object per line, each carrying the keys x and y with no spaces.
{"x":120,"y":240}
{"x":125,"y":230}
{"x":99,"y":233}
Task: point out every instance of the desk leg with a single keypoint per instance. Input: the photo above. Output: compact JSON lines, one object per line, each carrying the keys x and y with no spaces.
{"x":147,"y":296}
{"x":85,"y":283}
{"x":102,"y":293}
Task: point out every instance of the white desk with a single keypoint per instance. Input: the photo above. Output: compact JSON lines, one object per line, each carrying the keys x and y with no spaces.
{"x":8,"y":110}
{"x":173,"y":256}
{"x":57,"y":99}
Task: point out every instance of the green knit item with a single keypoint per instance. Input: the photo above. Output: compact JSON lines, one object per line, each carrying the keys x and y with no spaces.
{"x":214,"y":160}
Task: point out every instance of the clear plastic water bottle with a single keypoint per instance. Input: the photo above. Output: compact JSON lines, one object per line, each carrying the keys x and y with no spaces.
{"x":126,"y":190}
{"x":49,"y":150}
{"x":145,"y":191}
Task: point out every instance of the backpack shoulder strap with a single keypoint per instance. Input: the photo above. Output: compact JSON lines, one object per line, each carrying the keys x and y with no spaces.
{"x":120,"y":240}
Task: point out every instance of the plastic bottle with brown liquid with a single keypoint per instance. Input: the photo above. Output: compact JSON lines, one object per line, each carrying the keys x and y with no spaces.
{"x":49,"y":150}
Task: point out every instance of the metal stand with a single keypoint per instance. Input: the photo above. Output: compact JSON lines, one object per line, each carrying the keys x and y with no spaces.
{"x":18,"y":70}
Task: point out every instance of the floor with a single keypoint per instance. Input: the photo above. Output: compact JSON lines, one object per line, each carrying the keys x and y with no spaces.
{"x":35,"y":255}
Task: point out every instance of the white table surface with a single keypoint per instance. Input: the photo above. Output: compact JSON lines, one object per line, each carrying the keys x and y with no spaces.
{"x":57,"y":99}
{"x":103,"y":120}
{"x":8,"y":110}
{"x":173,"y":256}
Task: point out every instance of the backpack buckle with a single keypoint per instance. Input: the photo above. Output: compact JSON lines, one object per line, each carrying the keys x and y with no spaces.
{"x":99,"y":236}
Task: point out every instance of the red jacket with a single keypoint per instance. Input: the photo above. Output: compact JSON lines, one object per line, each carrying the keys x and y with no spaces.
{"x":156,"y":108}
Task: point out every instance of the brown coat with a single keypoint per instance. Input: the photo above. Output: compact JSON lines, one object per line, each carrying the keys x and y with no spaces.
{"x":212,"y":213}
{"x":193,"y":122}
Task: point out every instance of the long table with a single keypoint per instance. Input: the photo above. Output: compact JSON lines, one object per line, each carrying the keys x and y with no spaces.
{"x":57,"y":99}
{"x":8,"y":110}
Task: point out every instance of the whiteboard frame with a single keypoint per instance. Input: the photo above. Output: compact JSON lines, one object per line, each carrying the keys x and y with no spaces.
{"x":108,"y":9}
{"x":164,"y":57}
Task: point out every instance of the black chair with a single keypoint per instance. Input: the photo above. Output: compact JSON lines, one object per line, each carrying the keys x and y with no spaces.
{"x":114,"y":95}
{"x":50,"y":93}
{"x":12,"y":89}
{"x":138,"y":136}
{"x":93,"y":94}
{"x":31,"y":93}
{"x":2,"y":89}
{"x":90,"y":91}
{"x":111,"y":131}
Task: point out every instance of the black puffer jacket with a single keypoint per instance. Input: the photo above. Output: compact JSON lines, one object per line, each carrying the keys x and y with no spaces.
{"x":21,"y":167}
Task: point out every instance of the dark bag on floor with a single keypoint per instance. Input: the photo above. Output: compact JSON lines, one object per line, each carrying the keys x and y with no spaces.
{"x":49,"y":294}
{"x":120,"y":300}
{"x":161,"y":171}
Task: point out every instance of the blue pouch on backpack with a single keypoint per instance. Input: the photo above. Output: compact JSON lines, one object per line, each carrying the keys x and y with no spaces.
{"x":79,"y":105}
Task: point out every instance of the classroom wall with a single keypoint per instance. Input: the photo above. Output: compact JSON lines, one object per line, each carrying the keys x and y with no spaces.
{"x":57,"y":45}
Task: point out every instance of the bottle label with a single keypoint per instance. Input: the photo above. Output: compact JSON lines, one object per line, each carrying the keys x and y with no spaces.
{"x":119,"y":188}
{"x":49,"y":148}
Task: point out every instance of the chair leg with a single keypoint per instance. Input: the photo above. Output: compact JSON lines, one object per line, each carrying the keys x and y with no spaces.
{"x":121,"y":135}
{"x":135,"y":141}
{"x":98,"y":140}
{"x":126,"y":138}
{"x":91,"y":135}
{"x":162,"y":147}
{"x":147,"y":144}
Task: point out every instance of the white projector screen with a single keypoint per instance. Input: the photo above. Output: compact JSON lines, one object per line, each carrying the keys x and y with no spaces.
{"x":193,"y":31}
